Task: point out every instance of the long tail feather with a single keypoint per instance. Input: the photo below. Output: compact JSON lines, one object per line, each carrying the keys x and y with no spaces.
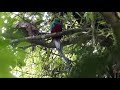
{"x":57,"y":44}
{"x":59,"y":48}
{"x":63,"y":56}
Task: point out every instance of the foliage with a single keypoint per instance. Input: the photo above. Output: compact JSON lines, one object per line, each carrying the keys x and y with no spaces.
{"x":88,"y":60}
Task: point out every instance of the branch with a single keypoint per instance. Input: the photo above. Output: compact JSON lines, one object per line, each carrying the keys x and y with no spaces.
{"x":40,"y":40}
{"x":45,"y":36}
{"x":81,"y":39}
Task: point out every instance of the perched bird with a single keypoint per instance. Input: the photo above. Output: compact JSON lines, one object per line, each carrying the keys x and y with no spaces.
{"x":57,"y":27}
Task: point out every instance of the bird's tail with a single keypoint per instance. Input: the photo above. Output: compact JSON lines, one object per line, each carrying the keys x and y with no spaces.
{"x":57,"y":44}
{"x":59,"y":48}
{"x":63,"y":56}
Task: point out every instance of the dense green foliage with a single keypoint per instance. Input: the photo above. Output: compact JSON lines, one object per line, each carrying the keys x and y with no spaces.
{"x":91,"y":58}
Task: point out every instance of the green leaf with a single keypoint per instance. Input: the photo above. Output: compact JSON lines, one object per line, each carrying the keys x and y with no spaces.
{"x":7,"y":58}
{"x":89,"y":16}
{"x":23,"y":44}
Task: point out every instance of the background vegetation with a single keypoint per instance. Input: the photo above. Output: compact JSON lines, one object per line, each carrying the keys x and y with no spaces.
{"x":90,"y":40}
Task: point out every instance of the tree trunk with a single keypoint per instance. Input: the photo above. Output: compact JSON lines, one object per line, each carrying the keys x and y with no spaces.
{"x":113,"y":19}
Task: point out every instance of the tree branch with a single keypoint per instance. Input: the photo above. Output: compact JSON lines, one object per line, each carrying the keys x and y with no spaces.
{"x":40,"y":40}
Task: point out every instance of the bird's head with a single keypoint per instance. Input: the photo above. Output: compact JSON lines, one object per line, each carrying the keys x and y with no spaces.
{"x":57,"y":20}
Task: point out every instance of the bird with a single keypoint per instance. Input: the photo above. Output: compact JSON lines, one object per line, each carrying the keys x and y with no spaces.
{"x":56,"y":27}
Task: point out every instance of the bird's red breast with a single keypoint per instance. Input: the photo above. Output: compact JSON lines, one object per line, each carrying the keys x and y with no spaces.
{"x":57,"y":28}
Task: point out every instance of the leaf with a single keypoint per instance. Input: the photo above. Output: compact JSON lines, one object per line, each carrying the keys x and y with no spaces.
{"x":20,"y":56}
{"x":7,"y":58}
{"x":89,"y":16}
{"x":5,"y":73}
{"x":23,"y":44}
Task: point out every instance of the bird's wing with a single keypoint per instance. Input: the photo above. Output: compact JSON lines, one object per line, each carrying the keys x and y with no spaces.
{"x":52,"y":26}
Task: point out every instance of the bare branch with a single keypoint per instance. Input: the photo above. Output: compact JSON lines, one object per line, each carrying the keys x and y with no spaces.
{"x":48,"y":35}
{"x":40,"y":39}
